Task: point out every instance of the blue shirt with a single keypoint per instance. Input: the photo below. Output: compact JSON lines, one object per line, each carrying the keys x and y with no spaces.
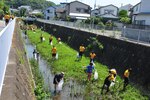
{"x":90,"y":68}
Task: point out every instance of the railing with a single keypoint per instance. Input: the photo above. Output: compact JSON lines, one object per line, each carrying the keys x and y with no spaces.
{"x":127,"y":34}
{"x":5,"y":43}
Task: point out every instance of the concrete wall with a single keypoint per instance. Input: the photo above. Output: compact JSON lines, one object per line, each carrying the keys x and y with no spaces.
{"x":116,"y":53}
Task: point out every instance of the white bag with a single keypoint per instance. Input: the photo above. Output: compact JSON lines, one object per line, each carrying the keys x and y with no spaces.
{"x":77,"y":55}
{"x":43,"y":39}
{"x":59,"y":86}
{"x":96,"y":75}
{"x":51,"y":43}
{"x":57,"y":56}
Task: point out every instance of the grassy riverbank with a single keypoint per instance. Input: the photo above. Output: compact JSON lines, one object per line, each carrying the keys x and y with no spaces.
{"x":73,"y":69}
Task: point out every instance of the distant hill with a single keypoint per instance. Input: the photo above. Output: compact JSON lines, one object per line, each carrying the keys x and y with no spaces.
{"x":35,"y":4}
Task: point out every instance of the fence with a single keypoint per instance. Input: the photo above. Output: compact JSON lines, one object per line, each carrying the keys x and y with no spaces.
{"x":127,"y":34}
{"x":5,"y":43}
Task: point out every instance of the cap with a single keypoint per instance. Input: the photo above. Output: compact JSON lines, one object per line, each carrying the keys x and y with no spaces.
{"x":62,"y":73}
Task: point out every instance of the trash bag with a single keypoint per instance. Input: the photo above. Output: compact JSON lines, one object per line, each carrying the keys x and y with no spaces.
{"x":59,"y":86}
{"x":96,"y":75}
{"x":43,"y":39}
{"x":112,"y":84}
{"x":51,"y":43}
{"x":77,"y":55}
{"x":57,"y":56}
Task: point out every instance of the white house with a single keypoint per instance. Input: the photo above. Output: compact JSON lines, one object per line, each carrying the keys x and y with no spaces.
{"x":78,"y":10}
{"x":50,"y":13}
{"x":109,"y":11}
{"x":28,"y":8}
{"x":141,"y":13}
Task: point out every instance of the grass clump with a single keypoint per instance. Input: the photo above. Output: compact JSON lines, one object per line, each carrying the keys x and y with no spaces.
{"x":66,"y":63}
{"x":39,"y":91}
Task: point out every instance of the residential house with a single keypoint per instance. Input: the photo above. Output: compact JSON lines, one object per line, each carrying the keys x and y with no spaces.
{"x":50,"y":13}
{"x":28,"y":8}
{"x":77,"y":10}
{"x":107,"y":12}
{"x":127,"y":7}
{"x":141,"y":13}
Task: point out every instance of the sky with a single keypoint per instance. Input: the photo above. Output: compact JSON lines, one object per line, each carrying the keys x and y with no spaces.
{"x":101,"y":2}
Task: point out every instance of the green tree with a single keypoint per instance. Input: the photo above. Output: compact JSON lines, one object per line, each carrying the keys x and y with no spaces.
{"x":23,"y":12}
{"x":125,"y":20}
{"x":123,"y":13}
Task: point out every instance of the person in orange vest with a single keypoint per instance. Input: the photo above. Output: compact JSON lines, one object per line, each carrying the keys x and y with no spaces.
{"x":110,"y":78}
{"x":81,"y":51}
{"x":92,"y":56}
{"x":50,"y":39}
{"x":54,"y":51}
{"x":126,"y":77}
{"x":7,"y":17}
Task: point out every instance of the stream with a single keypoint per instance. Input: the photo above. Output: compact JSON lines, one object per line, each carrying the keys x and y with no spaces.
{"x":71,"y":90}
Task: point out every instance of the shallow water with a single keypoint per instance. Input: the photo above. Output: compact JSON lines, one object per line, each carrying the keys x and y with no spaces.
{"x":71,"y":90}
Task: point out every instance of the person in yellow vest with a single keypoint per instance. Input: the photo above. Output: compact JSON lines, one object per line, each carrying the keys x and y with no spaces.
{"x":126,"y":77}
{"x":50,"y":39}
{"x":81,"y":50}
{"x":54,"y":51}
{"x":110,"y":78}
{"x":6,"y":17}
{"x":92,"y":56}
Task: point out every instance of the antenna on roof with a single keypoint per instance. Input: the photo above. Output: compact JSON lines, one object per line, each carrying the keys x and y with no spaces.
{"x":95,"y":4}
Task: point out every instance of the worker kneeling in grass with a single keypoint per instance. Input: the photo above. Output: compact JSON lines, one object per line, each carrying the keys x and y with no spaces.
{"x":89,"y":70}
{"x":92,"y":56}
{"x":110,"y":78}
{"x":54,"y":51}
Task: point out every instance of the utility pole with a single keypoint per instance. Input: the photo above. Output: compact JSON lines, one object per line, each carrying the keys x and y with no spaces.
{"x":94,"y":16}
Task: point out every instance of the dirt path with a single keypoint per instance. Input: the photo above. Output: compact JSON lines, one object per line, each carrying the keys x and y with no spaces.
{"x":17,"y":81}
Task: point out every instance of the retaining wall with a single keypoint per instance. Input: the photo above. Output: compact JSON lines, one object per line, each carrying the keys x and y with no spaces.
{"x":117,"y":54}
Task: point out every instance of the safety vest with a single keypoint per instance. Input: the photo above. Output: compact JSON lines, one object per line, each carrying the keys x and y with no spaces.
{"x":111,"y":77}
{"x":51,"y":38}
{"x":54,"y":50}
{"x":126,"y":73}
{"x":92,"y":55}
{"x":7,"y":17}
{"x":82,"y":48}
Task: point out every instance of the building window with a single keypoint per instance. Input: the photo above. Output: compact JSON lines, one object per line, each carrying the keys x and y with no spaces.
{"x":108,"y":11}
{"x":48,"y":11}
{"x":78,"y":9}
{"x":137,"y":8}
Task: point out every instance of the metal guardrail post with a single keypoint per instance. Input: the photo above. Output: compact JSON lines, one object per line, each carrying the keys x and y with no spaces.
{"x":139,"y":36}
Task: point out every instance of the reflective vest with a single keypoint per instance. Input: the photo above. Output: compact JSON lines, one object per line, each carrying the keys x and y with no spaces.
{"x":126,"y":73}
{"x":92,"y":55}
{"x":81,"y":48}
{"x":54,"y":50}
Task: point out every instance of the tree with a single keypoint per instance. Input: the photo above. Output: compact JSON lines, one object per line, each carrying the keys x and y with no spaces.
{"x":125,"y":20}
{"x":123,"y":13}
{"x":23,"y":12}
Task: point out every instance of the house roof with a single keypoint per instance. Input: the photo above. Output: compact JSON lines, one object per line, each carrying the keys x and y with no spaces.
{"x":79,"y":2}
{"x":136,"y":5}
{"x":60,"y":10}
{"x":107,"y":6}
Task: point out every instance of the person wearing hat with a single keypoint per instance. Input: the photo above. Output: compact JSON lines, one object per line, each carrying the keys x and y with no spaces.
{"x":126,"y":77}
{"x":89,"y":70}
{"x":57,"y":79}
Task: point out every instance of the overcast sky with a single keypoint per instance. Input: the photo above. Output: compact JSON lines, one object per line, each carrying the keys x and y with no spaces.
{"x":101,"y":2}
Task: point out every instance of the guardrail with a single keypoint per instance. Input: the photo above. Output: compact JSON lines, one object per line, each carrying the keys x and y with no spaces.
{"x":5,"y":43}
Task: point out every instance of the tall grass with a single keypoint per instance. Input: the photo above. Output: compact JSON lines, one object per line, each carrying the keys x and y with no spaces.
{"x":66,"y":63}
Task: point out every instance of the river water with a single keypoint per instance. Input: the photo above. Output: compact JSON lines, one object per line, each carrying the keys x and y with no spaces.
{"x":71,"y":90}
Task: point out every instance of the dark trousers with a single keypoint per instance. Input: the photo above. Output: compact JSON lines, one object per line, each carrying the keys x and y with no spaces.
{"x":126,"y":82}
{"x":106,"y":84}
